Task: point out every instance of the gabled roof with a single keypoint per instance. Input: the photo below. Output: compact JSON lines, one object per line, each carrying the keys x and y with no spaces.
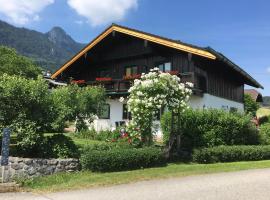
{"x":139,"y":34}
{"x":207,"y":52}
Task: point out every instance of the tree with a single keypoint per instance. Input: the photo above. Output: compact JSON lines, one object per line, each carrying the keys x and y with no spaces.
{"x":154,"y":91}
{"x":13,"y":64}
{"x":77,"y":103}
{"x":24,"y":99}
{"x":250,"y":105}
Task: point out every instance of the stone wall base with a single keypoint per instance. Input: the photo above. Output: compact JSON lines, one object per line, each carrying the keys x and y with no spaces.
{"x":33,"y":167}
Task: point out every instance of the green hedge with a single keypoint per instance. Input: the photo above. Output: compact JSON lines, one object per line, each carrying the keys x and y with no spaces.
{"x":231,"y":153}
{"x":208,"y":128}
{"x":105,"y":159}
{"x":264,"y":131}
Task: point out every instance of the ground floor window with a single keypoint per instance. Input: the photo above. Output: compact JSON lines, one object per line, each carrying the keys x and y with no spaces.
{"x":126,"y":114}
{"x":105,"y":112}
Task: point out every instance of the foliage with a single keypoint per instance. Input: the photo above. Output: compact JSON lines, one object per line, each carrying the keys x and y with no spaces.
{"x":121,"y":135}
{"x":154,"y":91}
{"x":208,"y":128}
{"x":13,"y":64}
{"x":263,"y":119}
{"x":231,"y":154}
{"x":30,"y":143}
{"x":77,"y":103}
{"x":25,"y":99}
{"x":61,"y":146}
{"x":250,"y":105}
{"x":118,"y":159}
{"x":92,"y":134}
{"x":264,"y":134}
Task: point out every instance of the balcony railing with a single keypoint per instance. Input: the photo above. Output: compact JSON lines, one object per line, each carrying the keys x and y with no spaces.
{"x":123,"y":85}
{"x":113,"y":85}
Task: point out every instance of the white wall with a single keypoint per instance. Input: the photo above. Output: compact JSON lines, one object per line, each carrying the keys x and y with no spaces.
{"x":116,"y":112}
{"x":210,"y":101}
{"x":196,"y":102}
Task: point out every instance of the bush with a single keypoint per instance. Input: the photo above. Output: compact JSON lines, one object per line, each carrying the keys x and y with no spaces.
{"x":107,"y":158}
{"x":61,"y":146}
{"x":208,"y":128}
{"x":264,"y":134}
{"x":263,"y":120}
{"x":30,"y":143}
{"x":92,"y":134}
{"x":231,"y":154}
{"x":250,"y":105}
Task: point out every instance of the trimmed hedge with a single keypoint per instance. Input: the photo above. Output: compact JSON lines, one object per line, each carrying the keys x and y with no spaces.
{"x":106,"y":159}
{"x":231,"y":154}
{"x":265,"y":134}
{"x":211,"y":127}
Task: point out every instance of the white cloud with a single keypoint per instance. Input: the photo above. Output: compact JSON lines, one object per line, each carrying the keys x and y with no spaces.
{"x":99,"y":12}
{"x":23,"y":11}
{"x":268,"y":69}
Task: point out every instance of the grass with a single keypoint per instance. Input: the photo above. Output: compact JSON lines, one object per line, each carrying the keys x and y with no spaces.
{"x":86,"y":179}
{"x":263,"y":112}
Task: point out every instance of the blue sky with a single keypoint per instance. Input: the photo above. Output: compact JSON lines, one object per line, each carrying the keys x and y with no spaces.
{"x":239,"y":29}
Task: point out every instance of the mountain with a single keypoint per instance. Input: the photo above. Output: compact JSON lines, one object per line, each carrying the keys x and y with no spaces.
{"x":49,"y":50}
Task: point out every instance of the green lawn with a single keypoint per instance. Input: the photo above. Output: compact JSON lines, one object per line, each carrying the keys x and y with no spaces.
{"x":86,"y":179}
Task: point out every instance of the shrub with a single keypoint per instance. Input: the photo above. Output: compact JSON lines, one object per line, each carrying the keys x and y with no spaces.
{"x":61,"y":146}
{"x":92,"y":134}
{"x":250,"y":105}
{"x":76,"y":103}
{"x":263,"y":120}
{"x":231,"y":154}
{"x":208,"y":128}
{"x":264,"y":134}
{"x":107,"y":158}
{"x":30,"y":143}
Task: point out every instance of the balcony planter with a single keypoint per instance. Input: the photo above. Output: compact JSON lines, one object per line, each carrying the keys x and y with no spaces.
{"x":173,"y":72}
{"x":103,"y":79}
{"x":78,"y":82}
{"x":131,"y":77}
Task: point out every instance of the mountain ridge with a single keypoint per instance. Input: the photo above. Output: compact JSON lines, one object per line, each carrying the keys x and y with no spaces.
{"x":49,"y":50}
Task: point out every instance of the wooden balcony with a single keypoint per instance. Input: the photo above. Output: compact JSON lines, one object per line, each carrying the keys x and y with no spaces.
{"x":115,"y":86}
{"x":121,"y":86}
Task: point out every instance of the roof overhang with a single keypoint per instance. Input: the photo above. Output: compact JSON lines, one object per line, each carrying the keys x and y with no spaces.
{"x":137,"y":34}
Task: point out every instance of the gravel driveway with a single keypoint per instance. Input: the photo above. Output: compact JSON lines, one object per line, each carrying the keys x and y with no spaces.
{"x":250,"y":184}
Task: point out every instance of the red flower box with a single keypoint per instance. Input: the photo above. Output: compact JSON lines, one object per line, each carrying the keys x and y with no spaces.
{"x":101,"y":79}
{"x":173,"y":72}
{"x":78,"y":81}
{"x":130,"y":77}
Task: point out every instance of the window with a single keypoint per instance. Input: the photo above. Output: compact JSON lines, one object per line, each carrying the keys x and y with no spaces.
{"x":165,"y":67}
{"x":126,"y":114}
{"x":105,"y":73}
{"x":233,"y":110}
{"x":104,"y":112}
{"x":131,"y":70}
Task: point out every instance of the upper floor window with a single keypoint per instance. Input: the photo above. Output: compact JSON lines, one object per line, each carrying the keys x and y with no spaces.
{"x":105,"y":73}
{"x":165,"y":67}
{"x":131,"y":70}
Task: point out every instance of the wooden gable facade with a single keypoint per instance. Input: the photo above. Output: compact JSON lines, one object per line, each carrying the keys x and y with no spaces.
{"x":117,"y":57}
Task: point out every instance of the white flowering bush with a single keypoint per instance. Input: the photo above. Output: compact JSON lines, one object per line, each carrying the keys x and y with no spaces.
{"x":153,"y":91}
